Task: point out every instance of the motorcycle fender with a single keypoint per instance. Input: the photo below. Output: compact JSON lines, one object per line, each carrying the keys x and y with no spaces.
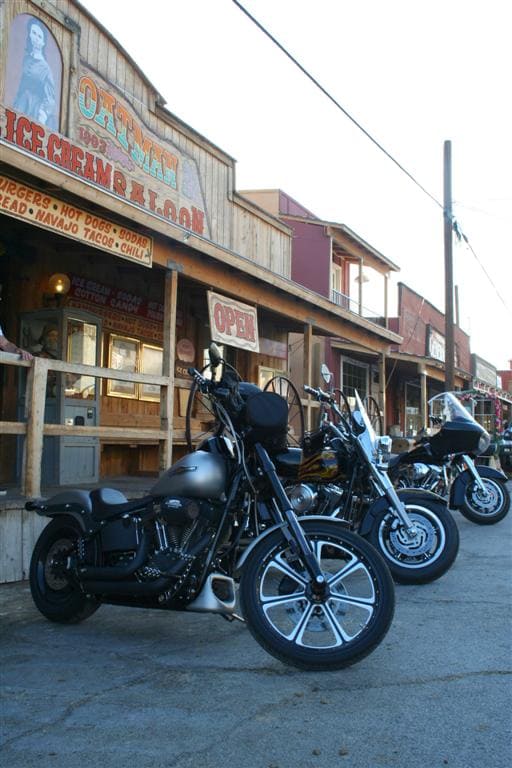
{"x":245,"y":554}
{"x":458,"y":488}
{"x":406,"y":495}
{"x":72,"y":503}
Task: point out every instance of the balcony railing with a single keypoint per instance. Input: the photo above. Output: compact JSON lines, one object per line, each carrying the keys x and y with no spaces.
{"x":352,"y":305}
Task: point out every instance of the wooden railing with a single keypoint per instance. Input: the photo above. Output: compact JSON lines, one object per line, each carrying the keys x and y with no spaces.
{"x":34,"y":427}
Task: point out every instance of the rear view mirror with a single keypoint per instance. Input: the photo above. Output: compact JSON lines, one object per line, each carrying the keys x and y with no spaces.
{"x":214,"y":355}
{"x":326,"y":374}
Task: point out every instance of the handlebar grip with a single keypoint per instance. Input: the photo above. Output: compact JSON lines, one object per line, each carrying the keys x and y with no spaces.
{"x":198,"y":378}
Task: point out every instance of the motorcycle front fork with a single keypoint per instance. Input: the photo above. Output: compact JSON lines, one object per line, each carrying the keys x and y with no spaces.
{"x":292,"y":531}
{"x":470,"y":464}
{"x":385,"y":488}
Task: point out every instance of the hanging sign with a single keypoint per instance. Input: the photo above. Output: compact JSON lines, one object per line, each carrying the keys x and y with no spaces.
{"x":50,"y":213}
{"x":233,"y":323}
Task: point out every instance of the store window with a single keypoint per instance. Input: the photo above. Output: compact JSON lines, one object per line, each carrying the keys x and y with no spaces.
{"x":413,"y":416}
{"x":354,"y":376}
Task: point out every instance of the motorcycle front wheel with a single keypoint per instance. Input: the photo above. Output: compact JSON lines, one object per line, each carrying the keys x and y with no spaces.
{"x":54,"y":592}
{"x":485,"y":508}
{"x":425,"y":556}
{"x":309,"y":631}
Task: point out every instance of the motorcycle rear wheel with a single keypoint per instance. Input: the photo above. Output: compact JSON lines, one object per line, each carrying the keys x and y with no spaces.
{"x":486,"y":510}
{"x":432,"y":551}
{"x":330,"y":633}
{"x":53,"y":590}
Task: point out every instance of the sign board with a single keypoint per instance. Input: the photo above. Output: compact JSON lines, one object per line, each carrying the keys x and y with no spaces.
{"x":484,"y":371}
{"x":233,"y":323}
{"x":436,"y":346}
{"x":42,"y":210}
{"x":159,"y":179}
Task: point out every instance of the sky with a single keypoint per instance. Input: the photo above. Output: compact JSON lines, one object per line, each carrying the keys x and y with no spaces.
{"x":413,"y":75}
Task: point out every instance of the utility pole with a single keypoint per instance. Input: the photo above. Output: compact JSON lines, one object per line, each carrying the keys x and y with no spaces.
{"x":449,"y":367}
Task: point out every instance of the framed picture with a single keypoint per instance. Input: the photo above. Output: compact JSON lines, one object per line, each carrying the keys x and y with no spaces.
{"x":122,"y":356}
{"x":151,"y":362}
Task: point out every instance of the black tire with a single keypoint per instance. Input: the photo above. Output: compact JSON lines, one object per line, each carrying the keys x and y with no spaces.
{"x":330,"y":634}
{"x":54,"y":592}
{"x":430,"y":554}
{"x":486,"y":510}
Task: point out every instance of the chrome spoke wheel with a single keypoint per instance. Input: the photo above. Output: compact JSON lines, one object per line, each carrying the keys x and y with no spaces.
{"x":293,"y":611}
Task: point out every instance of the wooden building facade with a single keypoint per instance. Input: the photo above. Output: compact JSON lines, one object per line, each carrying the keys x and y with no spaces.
{"x":122,"y":238}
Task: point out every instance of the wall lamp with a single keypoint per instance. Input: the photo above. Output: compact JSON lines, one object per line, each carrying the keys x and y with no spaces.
{"x":58,"y":286}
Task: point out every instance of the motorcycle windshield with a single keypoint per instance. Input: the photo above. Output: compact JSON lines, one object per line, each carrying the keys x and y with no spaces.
{"x":447,"y":407}
{"x":368,"y":437}
{"x":459,"y":432}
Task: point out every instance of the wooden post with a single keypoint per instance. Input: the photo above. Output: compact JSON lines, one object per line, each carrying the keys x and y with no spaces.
{"x":168,"y":360}
{"x":424,"y":403}
{"x":360,"y":287}
{"x":382,"y":390}
{"x":35,"y":398}
{"x":308,"y":366}
{"x":386,"y":301}
{"x":449,"y":365}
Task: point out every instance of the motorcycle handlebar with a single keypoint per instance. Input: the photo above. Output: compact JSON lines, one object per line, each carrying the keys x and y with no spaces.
{"x":200,"y":380}
{"x":318,"y":393}
{"x":208,"y":386}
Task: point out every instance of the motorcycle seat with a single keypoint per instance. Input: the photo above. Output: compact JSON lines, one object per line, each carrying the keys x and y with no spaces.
{"x":108,"y":503}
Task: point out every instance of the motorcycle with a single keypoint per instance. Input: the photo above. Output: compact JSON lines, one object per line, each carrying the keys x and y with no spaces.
{"x":313,"y":594}
{"x":505,"y":450}
{"x":341,"y":473}
{"x":445,"y":463}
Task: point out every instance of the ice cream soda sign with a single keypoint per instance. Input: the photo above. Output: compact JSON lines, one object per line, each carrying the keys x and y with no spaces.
{"x":233,"y":323}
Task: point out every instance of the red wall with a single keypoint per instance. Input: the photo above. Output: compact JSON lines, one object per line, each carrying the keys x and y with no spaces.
{"x":415,"y":314}
{"x":311,"y":256}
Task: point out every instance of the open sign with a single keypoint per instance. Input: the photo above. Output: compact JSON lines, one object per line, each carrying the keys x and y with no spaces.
{"x":232,"y":322}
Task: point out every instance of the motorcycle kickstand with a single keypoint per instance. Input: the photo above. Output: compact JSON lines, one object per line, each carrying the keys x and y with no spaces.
{"x":232,"y":617}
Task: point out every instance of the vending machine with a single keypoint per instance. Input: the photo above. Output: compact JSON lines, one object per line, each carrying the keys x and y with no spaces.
{"x":73,"y":399}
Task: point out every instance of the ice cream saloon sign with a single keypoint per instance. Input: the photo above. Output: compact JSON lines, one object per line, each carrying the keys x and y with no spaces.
{"x":233,"y":323}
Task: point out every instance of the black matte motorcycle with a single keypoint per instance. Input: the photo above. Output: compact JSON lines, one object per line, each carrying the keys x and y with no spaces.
{"x":313,"y":594}
{"x":341,"y":473}
{"x":446,"y":463}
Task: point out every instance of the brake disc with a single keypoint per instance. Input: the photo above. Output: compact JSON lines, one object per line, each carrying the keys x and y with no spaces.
{"x":420,"y":544}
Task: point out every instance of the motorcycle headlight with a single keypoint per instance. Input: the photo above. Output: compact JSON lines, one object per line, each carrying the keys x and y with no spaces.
{"x":483,"y":443}
{"x":383,"y":448}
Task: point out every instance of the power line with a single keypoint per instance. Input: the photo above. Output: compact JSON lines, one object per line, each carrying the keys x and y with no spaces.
{"x":455,"y":225}
{"x":336,"y":103}
{"x":462,"y":237}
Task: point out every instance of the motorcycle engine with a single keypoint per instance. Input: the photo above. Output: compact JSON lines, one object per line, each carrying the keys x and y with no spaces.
{"x":303,"y":498}
{"x":309,"y":499}
{"x":181,"y":532}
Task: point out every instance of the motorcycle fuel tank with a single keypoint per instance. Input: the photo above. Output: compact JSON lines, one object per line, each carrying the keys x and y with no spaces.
{"x":326,"y":465}
{"x":199,"y":475}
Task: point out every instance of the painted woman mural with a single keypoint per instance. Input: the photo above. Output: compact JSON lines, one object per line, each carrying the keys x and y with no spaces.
{"x":34,"y":71}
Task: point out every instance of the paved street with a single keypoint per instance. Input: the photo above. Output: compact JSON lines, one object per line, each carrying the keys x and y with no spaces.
{"x":156,"y":690}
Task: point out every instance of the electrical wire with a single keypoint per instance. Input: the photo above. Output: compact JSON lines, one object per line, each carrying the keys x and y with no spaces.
{"x":455,"y":225}
{"x":337,"y":104}
{"x":462,"y":237}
